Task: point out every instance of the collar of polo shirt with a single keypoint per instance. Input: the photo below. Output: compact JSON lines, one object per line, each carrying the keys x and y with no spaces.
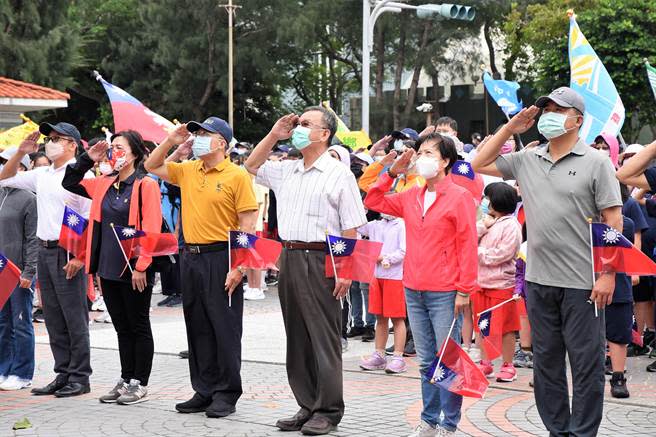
{"x":320,"y":164}
{"x":200,"y":165}
{"x":580,"y":148}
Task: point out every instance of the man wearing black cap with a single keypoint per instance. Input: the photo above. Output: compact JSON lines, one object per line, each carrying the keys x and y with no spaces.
{"x":62,"y":280}
{"x":216,"y":196}
{"x":563,"y":185}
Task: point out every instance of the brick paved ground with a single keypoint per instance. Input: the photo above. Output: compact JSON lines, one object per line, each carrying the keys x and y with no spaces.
{"x":376,"y":404}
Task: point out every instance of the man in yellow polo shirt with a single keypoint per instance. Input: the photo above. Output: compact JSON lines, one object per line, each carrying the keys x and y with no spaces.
{"x":216,"y":196}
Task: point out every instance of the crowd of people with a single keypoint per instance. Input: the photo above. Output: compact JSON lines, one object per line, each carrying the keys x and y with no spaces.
{"x":449,"y":253}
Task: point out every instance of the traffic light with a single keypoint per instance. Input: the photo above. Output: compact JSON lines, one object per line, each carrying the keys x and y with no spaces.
{"x":447,"y":10}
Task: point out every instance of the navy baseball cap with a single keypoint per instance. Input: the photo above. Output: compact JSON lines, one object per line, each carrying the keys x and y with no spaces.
{"x":61,"y":128}
{"x":406,"y":134}
{"x":214,"y":125}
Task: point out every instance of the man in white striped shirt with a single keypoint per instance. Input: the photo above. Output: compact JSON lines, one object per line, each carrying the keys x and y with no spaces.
{"x":315,"y":195}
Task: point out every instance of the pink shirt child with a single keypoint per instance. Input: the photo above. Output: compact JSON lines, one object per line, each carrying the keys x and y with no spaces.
{"x":497,"y":249}
{"x":392,"y":234}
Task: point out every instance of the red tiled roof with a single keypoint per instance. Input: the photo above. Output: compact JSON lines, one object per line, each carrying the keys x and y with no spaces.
{"x":23,"y":90}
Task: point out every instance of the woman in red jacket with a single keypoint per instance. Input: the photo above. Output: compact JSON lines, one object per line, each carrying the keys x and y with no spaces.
{"x":125,"y":197}
{"x":440,"y":266}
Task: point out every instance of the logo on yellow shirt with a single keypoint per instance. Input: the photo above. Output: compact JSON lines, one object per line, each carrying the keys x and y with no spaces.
{"x":219,"y":187}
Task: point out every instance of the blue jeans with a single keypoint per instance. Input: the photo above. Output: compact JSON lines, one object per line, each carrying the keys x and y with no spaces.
{"x":431,"y":314}
{"x":360,"y":300}
{"x":17,"y":335}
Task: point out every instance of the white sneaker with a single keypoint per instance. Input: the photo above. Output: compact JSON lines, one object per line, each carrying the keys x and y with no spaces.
{"x":135,"y":394}
{"x":104,"y":318}
{"x":13,"y":382}
{"x":98,"y":304}
{"x":254,"y":294}
{"x":474,"y":353}
{"x":3,"y":378}
{"x":424,"y":429}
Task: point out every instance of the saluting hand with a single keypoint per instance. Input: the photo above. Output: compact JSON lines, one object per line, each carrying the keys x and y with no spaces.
{"x":282,"y":130}
{"x":401,"y":165}
{"x":380,"y":144}
{"x":98,"y":151}
{"x":523,"y":120}
{"x":388,"y":159}
{"x":28,"y":145}
{"x":178,"y":135}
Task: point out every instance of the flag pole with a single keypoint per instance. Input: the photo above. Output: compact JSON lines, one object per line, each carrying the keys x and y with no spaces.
{"x":229,"y":268}
{"x":515,"y":297}
{"x":332,"y":259}
{"x":594,"y":279}
{"x":439,"y":360}
{"x":118,"y":240}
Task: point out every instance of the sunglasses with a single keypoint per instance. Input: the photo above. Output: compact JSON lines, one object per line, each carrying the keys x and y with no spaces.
{"x":56,"y":139}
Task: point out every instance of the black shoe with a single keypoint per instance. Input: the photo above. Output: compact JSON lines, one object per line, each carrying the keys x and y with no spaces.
{"x":184,"y":354}
{"x":391,"y":329}
{"x":51,"y":388}
{"x":648,"y":337}
{"x":355,"y":331}
{"x":38,"y":316}
{"x":317,"y":425}
{"x":164,"y":302}
{"x":389,"y":350}
{"x":176,"y":301}
{"x":369,"y":334}
{"x":608,"y":367}
{"x":651,"y":367}
{"x":294,"y":423}
{"x":618,"y":386}
{"x":409,"y":350}
{"x":219,"y":409}
{"x":73,"y":389}
{"x":633,"y":350}
{"x":196,"y":404}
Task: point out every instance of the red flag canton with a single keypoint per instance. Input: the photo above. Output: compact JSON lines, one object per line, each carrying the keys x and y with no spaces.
{"x":491,"y":335}
{"x":462,"y":173}
{"x":612,"y":252}
{"x":130,"y":113}
{"x":457,"y":372}
{"x":73,"y":233}
{"x":139,"y":243}
{"x":9,"y":277}
{"x":354,"y":259}
{"x":251,"y":251}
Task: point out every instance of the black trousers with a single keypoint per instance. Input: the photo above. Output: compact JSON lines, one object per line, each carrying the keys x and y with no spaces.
{"x":214,"y":329}
{"x":563,"y":323}
{"x":130,"y":312}
{"x":170,"y":278}
{"x":313,"y":323}
{"x":66,"y":315}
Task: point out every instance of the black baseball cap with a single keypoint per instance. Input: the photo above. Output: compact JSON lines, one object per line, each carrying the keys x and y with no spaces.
{"x":212,"y":124}
{"x":61,"y":128}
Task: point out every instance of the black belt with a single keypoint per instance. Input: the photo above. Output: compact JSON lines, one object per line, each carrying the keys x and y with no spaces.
{"x":49,"y":244}
{"x":301,"y":245}
{"x":204,"y":248}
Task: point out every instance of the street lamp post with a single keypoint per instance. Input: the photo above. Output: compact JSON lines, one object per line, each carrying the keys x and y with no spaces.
{"x":230,"y":8}
{"x":369,"y":17}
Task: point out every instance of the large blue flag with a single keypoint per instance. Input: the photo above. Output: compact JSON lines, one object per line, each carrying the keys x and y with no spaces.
{"x":503,"y":92}
{"x":604,"y":111}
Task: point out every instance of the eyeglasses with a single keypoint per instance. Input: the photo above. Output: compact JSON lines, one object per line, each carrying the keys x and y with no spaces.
{"x":56,"y":139}
{"x":309,"y":125}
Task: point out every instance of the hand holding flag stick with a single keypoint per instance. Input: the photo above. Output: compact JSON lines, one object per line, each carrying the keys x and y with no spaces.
{"x":513,"y":298}
{"x":118,"y":240}
{"x":594,"y":278}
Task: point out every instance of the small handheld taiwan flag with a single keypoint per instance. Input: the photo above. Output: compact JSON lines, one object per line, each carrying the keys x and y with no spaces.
{"x":73,"y":233}
{"x":137,"y":243}
{"x":463,"y":174}
{"x":492,"y":339}
{"x":248,"y":250}
{"x":457,"y":372}
{"x":9,"y":277}
{"x":612,"y":252}
{"x":350,"y":258}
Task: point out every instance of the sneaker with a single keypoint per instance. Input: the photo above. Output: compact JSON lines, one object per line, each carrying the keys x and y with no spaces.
{"x":104,"y":318}
{"x":396,"y":365}
{"x":344,"y":344}
{"x":176,"y":301}
{"x":523,"y":359}
{"x":390,"y":350}
{"x":3,"y":378}
{"x":369,"y":334}
{"x":271,"y":281}
{"x":507,"y":373}
{"x":37,"y":316}
{"x":651,"y":367}
{"x":486,"y":367}
{"x":633,"y":350}
{"x":375,"y":362}
{"x":119,"y":390}
{"x":608,"y":367}
{"x":98,"y":304}
{"x":164,"y":302}
{"x":13,"y":382}
{"x":618,"y":387}
{"x":355,"y":331}
{"x":474,"y":353}
{"x":184,"y":354}
{"x":253,"y":294}
{"x":135,"y":394}
{"x":648,"y":337}
{"x":424,"y":429}
{"x":444,"y":432}
{"x":409,"y":350}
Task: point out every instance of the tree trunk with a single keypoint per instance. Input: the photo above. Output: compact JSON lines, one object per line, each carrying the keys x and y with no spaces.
{"x":211,"y":75}
{"x":436,"y":95}
{"x":333,"y":83}
{"x":398,"y":75}
{"x":419,"y":63}
{"x":379,"y":44}
{"x":490,"y":50}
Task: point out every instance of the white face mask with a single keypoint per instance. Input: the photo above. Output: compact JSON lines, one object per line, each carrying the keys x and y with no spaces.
{"x":105,"y":168}
{"x":427,"y":167}
{"x":120,"y":163}
{"x":54,"y":150}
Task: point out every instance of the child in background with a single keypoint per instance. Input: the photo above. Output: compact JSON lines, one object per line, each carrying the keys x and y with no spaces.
{"x":499,"y":241}
{"x":524,"y":354}
{"x":386,"y":294}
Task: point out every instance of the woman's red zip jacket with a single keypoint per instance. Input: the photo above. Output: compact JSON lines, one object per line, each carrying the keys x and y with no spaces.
{"x":441,"y":248}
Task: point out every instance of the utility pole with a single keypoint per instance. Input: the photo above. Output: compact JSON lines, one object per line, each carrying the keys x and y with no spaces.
{"x":231,"y":9}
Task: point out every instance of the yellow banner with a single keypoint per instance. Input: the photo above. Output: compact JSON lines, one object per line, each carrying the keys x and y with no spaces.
{"x":353,"y":139}
{"x":14,"y":136}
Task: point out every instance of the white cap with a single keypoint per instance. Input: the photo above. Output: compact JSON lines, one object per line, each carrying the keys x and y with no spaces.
{"x":8,"y":153}
{"x":343,"y":154}
{"x":632,"y":149}
{"x":365,"y":156}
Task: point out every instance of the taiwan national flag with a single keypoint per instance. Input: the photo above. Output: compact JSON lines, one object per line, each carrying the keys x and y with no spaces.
{"x":612,"y":252}
{"x":130,"y":113}
{"x":73,"y":233}
{"x":490,"y":334}
{"x":457,"y":372}
{"x":463,"y":174}
{"x":248,"y":250}
{"x":9,"y":277}
{"x":354,"y":259}
{"x":137,"y":243}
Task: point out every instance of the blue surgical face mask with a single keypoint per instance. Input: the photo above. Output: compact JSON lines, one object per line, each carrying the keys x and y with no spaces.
{"x":485,"y":206}
{"x":301,"y":137}
{"x":552,"y":124}
{"x":201,"y":146}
